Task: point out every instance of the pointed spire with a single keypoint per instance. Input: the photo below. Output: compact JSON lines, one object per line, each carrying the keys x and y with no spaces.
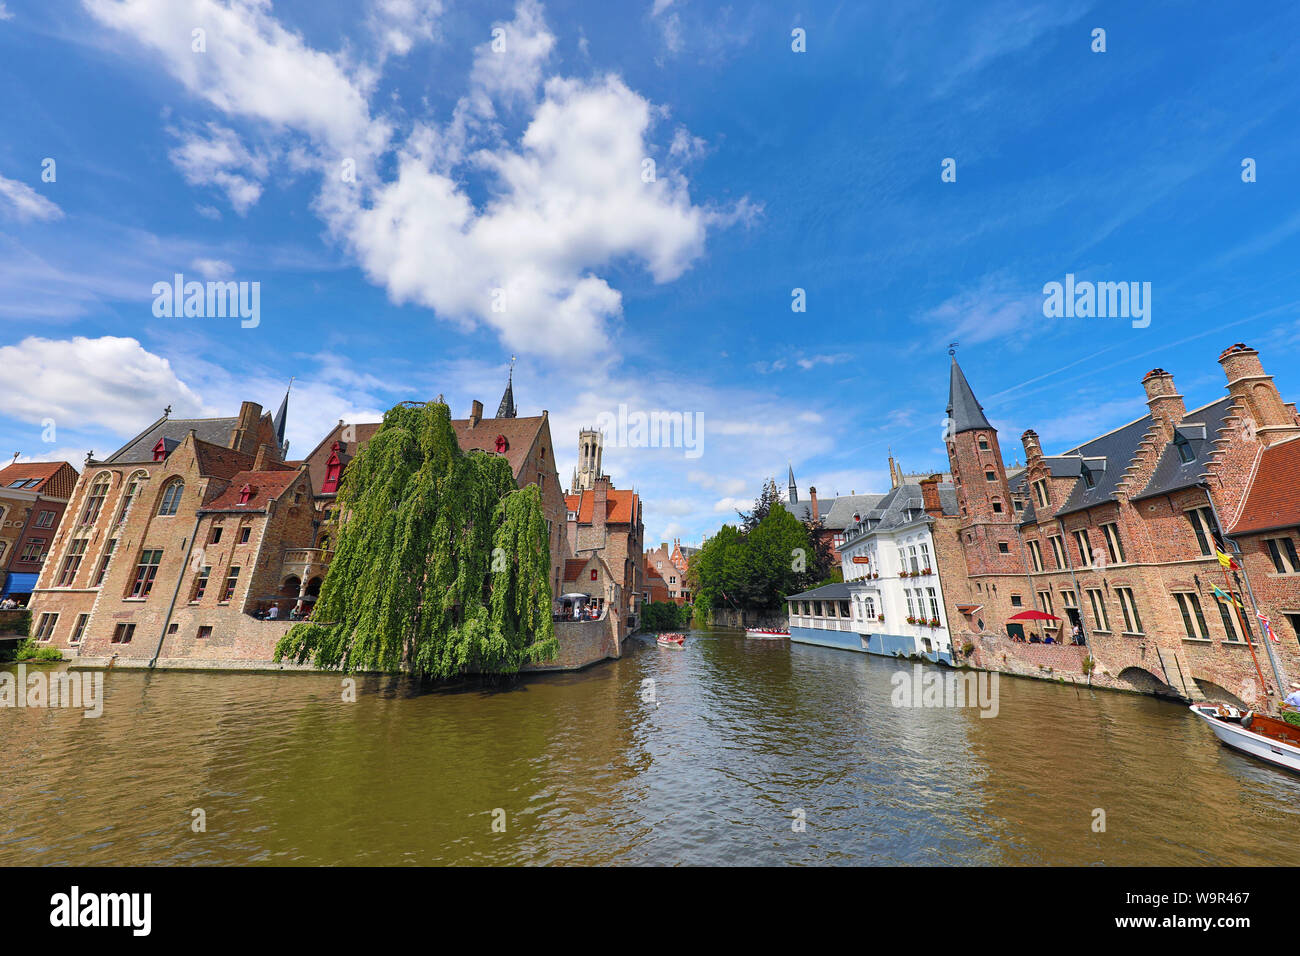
{"x":278,"y":422}
{"x":793,"y":491}
{"x":507,"y":407}
{"x":964,"y":411}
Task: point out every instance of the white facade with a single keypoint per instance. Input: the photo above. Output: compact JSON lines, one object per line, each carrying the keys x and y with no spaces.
{"x":895,"y":590}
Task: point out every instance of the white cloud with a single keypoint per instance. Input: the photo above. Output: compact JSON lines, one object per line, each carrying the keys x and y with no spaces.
{"x":84,"y":383}
{"x":213,"y":268}
{"x":400,"y":24}
{"x":513,"y":71}
{"x":812,"y":361}
{"x":220,"y":159}
{"x":4,"y":13}
{"x":25,"y":203}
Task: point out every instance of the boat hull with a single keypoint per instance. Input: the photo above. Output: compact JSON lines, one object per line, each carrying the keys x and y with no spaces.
{"x":1277,"y":752}
{"x":879,"y":645}
{"x":764,"y":634}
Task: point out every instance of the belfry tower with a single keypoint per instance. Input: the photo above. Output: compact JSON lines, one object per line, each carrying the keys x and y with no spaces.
{"x":591,"y":443}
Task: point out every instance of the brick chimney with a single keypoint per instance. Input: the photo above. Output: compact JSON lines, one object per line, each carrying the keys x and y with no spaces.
{"x":475,"y":412}
{"x":1033,"y":450}
{"x":816,"y":515}
{"x":1167,"y":408}
{"x":244,"y":437}
{"x":600,"y":496}
{"x":1254,"y":390}
{"x":930,"y":495}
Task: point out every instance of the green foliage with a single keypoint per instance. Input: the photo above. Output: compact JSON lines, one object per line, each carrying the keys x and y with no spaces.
{"x":754,"y":570}
{"x":440,"y":563}
{"x":29,"y":650}
{"x":665,"y":616}
{"x":1291,"y":717}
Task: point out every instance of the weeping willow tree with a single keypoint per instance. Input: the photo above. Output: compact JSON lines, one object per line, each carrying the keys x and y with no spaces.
{"x":440,"y":565}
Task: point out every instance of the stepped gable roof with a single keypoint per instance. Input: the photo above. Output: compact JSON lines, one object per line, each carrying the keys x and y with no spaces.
{"x":827,"y":592}
{"x":266,"y":486}
{"x":52,"y":479}
{"x":964,"y":411}
{"x":1107,"y":458}
{"x":1196,"y":432}
{"x":1273,"y":496}
{"x":215,"y":431}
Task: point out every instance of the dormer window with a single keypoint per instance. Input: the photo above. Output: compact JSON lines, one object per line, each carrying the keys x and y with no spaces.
{"x":333,"y":468}
{"x":501,"y":444}
{"x":160,"y":450}
{"x":1185,"y":452}
{"x":1088,"y":480}
{"x":245,"y":494}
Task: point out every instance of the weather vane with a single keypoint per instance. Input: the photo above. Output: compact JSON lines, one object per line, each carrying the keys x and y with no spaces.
{"x":952,"y":348}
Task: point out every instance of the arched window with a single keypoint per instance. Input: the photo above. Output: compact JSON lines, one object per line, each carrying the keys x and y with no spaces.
{"x":132,"y":489}
{"x":95,"y":501}
{"x":171,"y":498}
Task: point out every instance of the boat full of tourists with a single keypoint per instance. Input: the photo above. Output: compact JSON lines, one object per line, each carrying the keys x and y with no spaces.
{"x":1259,"y":735}
{"x":671,"y":639}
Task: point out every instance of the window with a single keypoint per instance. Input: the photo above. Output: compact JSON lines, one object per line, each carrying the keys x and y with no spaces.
{"x":216,"y":535}
{"x":1099,"y":609}
{"x":1004,"y":548}
{"x":95,"y":500}
{"x":997,"y":506}
{"x":45,"y":519}
{"x":1185,"y":453}
{"x":911,"y":604}
{"x":1282,"y":551}
{"x":123,"y":633}
{"x":32,"y":550}
{"x":1058,"y":550}
{"x":1068,"y":598}
{"x":145,"y":572}
{"x":984,"y":444}
{"x":171,"y":498}
{"x":1202,"y":520}
{"x":934,"y":604}
{"x":1017,"y":601}
{"x":1234,"y":622}
{"x":1128,"y":604}
{"x":160,"y":450}
{"x":911,"y":557}
{"x":231,"y":580}
{"x":1114,"y":546}
{"x":245,"y":531}
{"x":1086,"y":473}
{"x":71,"y":563}
{"x":1019,"y":505}
{"x":132,"y":488}
{"x":205,"y":631}
{"x":201,"y":583}
{"x":593,"y":574}
{"x":902,"y":559}
{"x":1040,"y":492}
{"x":1036,"y":555}
{"x":990,"y":475}
{"x":45,"y":628}
{"x":103,"y":562}
{"x":1045,"y":601}
{"x":1193,"y":619}
{"x":1085,"y":547}
{"x":925,"y":556}
{"x":79,"y":628}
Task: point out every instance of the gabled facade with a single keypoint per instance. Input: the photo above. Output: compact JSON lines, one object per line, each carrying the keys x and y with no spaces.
{"x":33,"y":496}
{"x":609,"y":521}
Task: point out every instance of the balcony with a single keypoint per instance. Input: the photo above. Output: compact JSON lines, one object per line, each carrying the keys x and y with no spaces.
{"x":306,"y":562}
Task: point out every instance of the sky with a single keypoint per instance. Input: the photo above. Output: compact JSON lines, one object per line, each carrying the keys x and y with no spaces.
{"x":633,"y":199}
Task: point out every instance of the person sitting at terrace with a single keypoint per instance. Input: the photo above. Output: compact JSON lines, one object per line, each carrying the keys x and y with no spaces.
{"x":273,"y":613}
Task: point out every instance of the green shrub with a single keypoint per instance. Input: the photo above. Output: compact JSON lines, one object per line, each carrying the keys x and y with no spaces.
{"x":29,"y":650}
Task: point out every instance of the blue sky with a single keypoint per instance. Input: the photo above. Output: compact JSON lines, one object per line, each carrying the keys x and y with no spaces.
{"x":522,"y":170}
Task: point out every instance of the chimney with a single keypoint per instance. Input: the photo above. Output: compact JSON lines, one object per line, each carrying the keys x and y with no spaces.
{"x":600,"y":496}
{"x":1251,"y":388}
{"x":1033,"y":450}
{"x":475,"y":412}
{"x":930,"y":495}
{"x":259,"y":462}
{"x":1166,"y":405}
{"x":244,"y":437}
{"x":816,"y":515}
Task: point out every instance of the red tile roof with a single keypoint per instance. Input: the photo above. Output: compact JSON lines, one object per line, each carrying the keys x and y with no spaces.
{"x":56,"y":479}
{"x":621,"y":507}
{"x":1273,"y":499}
{"x":573,"y":568}
{"x":265,"y":485}
{"x":217,"y":462}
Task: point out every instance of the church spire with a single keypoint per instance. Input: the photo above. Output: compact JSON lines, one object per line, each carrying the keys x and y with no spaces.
{"x":278,"y":423}
{"x":793,"y":491}
{"x":507,"y":407}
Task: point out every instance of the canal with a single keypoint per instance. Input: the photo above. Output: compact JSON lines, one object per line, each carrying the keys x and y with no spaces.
{"x":582,"y":769}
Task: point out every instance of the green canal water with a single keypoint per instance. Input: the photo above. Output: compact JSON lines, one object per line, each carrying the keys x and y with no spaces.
{"x":584,"y":771}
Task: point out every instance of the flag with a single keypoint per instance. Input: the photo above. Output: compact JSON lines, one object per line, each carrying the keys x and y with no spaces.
{"x":1226,"y":598}
{"x":1226,"y":559}
{"x":1268,"y":628}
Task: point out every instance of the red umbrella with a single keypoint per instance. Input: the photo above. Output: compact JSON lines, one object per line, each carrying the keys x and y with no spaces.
{"x":1033,"y":616}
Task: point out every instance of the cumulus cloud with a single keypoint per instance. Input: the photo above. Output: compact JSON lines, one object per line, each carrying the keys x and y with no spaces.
{"x":400,"y":24}
{"x":23,"y":203}
{"x":83,"y":383}
{"x":213,"y":268}
{"x":216,"y":157}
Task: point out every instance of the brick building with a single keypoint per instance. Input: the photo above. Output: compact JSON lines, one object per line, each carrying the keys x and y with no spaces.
{"x":1117,"y":536}
{"x":669,"y":571}
{"x":609,"y":520}
{"x":33,"y":496}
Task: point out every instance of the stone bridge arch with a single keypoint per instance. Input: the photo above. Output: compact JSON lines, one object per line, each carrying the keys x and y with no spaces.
{"x":1147,"y":682}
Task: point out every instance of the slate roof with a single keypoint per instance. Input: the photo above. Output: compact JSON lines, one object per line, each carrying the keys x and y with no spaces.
{"x":893,"y":508}
{"x":835,"y":514}
{"x":216,"y":431}
{"x":1273,"y":499}
{"x":1198,"y":428}
{"x":964,"y":410}
{"x":827,"y":592}
{"x":1108,"y":458}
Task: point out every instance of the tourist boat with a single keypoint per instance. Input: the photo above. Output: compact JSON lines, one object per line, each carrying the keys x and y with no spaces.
{"x":671,"y":640}
{"x":1259,"y":735}
{"x":765,"y":632}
